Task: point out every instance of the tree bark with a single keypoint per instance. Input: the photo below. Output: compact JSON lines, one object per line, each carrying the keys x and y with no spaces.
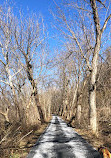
{"x":18,"y":113}
{"x":78,"y":113}
{"x":92,"y":89}
{"x":92,"y":93}
{"x":35,"y":90}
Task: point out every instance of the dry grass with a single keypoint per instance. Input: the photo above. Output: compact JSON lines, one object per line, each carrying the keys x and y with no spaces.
{"x":102,"y":139}
{"x":90,"y":138}
{"x":19,"y":142}
{"x":104,"y":129}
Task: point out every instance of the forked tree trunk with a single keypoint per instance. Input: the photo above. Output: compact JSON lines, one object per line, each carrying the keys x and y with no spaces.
{"x":18,"y":113}
{"x":92,"y":90}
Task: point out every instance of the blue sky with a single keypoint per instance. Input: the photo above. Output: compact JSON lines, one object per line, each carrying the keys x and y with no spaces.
{"x":33,"y":5}
{"x":37,"y":6}
{"x":42,"y":7}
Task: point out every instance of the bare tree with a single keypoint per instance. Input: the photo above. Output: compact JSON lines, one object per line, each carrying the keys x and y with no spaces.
{"x":29,"y":40}
{"x":88,"y":49}
{"x":9,"y":70}
{"x":22,"y":54}
{"x":99,"y":32}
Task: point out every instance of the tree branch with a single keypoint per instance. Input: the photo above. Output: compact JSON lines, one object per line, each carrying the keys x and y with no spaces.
{"x":5,"y":82}
{"x":2,"y":62}
{"x":17,"y":72}
{"x":77,"y":42}
{"x":80,"y":8}
{"x":101,"y":3}
{"x":105,"y":23}
{"x":96,"y":17}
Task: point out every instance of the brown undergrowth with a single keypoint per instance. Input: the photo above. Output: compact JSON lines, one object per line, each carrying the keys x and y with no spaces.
{"x":17,"y":140}
{"x":103,"y":138}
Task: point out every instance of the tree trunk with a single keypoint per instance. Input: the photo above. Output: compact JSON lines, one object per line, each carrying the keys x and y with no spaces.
{"x":18,"y":113}
{"x":35,"y":90}
{"x":92,"y":90}
{"x":75,"y":94}
{"x":78,"y":107}
{"x":35,"y":93}
{"x":92,"y":94}
{"x":78,"y":113}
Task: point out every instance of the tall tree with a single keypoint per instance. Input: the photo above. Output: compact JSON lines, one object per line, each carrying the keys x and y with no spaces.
{"x":8,"y":66}
{"x":83,"y":28}
{"x":29,"y":39}
{"x":22,"y":49}
{"x":92,"y":91}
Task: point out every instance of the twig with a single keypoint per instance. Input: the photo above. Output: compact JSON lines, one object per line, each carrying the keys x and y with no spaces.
{"x":5,"y":82}
{"x":16,"y":72}
{"x":4,"y":138}
{"x":25,"y":135}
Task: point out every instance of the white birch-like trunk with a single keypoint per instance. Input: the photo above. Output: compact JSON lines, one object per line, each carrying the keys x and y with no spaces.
{"x":92,"y":93}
